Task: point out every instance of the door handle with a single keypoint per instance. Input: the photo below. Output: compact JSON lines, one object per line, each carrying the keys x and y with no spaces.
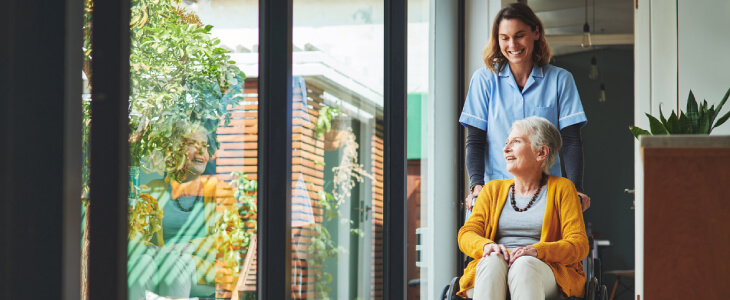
{"x":632,"y":192}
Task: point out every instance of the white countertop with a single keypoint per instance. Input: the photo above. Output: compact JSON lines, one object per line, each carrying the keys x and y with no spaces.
{"x":685,"y":141}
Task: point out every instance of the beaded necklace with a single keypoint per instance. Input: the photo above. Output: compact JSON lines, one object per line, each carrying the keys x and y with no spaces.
{"x":177,"y":203}
{"x":514,"y":203}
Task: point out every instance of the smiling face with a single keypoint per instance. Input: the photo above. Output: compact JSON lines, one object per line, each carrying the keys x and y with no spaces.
{"x":520,"y":157}
{"x":196,"y":145}
{"x":517,"y":41}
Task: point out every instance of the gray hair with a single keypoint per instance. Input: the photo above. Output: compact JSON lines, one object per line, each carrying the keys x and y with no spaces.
{"x":542,"y":133}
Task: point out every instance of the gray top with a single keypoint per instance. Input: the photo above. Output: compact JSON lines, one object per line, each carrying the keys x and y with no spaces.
{"x":180,"y":226}
{"x":519,"y":229}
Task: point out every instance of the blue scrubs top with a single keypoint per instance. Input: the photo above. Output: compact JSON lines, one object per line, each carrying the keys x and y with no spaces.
{"x":494,"y":102}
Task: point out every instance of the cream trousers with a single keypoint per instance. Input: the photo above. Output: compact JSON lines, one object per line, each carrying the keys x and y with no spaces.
{"x":528,"y":278}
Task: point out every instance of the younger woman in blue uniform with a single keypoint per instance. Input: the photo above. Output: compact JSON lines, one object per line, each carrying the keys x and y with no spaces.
{"x":516,"y":83}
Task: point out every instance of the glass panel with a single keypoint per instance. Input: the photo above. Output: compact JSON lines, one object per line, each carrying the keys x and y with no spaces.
{"x":416,"y":147}
{"x":337,"y":158}
{"x":193,"y":135}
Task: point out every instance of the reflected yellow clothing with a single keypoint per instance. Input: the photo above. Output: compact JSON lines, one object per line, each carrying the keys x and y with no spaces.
{"x":214,"y":193}
{"x":563,"y":241}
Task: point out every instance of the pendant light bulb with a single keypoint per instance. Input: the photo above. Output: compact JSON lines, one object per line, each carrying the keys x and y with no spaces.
{"x":602,"y":96}
{"x":594,"y":68}
{"x":586,"y":42}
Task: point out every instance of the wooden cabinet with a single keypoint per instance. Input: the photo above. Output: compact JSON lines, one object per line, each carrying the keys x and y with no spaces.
{"x":686,"y":217}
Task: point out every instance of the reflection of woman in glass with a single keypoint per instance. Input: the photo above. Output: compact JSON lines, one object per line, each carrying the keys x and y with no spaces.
{"x":181,"y":261}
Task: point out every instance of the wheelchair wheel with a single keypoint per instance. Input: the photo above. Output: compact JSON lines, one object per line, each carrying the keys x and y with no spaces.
{"x":444,"y":295}
{"x":592,"y":289}
{"x":452,"y":289}
{"x":590,"y":268}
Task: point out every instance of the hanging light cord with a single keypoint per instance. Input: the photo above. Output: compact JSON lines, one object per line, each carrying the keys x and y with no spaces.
{"x":593,"y":29}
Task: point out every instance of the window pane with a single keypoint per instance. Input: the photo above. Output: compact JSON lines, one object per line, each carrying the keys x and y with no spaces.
{"x":193,"y":135}
{"x":416,"y":147}
{"x":337,"y":158}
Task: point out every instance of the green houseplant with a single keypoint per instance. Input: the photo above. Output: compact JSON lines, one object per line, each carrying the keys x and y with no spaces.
{"x":178,"y":71}
{"x":697,"y":119}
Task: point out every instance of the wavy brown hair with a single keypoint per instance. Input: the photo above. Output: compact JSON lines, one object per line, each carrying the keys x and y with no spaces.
{"x":492,"y":55}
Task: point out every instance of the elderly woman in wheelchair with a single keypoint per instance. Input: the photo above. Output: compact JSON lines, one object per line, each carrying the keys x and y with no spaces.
{"x":526,"y":234}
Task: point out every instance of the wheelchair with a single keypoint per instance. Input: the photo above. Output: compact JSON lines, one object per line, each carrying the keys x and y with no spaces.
{"x":595,"y":289}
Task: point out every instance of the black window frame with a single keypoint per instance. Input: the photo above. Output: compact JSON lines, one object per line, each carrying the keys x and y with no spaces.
{"x":109,"y":151}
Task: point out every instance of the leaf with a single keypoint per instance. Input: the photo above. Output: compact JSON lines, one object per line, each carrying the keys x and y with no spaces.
{"x":715,"y":113}
{"x":656,"y":126}
{"x":712,"y":114}
{"x":702,"y":113}
{"x":704,"y":125}
{"x":661,"y":115}
{"x":672,"y":124}
{"x":722,"y":119}
{"x":638,"y":131}
{"x":684,"y":124}
{"x":722,"y":102}
{"x":692,"y":112}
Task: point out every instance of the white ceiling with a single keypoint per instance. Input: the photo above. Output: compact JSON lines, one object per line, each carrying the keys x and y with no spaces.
{"x":611,"y":22}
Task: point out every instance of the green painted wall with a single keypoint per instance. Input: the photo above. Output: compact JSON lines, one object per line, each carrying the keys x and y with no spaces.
{"x":416,"y":102}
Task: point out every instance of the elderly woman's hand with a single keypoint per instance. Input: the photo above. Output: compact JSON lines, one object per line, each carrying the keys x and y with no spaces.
{"x":496,"y":248}
{"x":522,"y":251}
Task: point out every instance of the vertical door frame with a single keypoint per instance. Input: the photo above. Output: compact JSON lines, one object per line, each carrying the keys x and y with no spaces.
{"x":109,"y":153}
{"x":274,"y":149}
{"x":395,"y":171}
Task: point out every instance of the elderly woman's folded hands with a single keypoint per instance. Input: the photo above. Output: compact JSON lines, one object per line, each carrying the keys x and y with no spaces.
{"x":496,"y":248}
{"x":522,"y":251}
{"x":509,"y":257}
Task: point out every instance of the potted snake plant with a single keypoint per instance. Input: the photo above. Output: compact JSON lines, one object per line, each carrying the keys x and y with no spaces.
{"x":696,"y":119}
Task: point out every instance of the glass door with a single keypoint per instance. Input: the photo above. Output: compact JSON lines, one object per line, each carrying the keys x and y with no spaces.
{"x":338,"y":140}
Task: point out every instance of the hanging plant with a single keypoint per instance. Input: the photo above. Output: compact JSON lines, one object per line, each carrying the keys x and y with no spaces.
{"x":349,"y":171}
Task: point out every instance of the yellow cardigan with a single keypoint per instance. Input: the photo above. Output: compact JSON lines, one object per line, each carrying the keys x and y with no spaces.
{"x":563,"y":242}
{"x":215,"y":193}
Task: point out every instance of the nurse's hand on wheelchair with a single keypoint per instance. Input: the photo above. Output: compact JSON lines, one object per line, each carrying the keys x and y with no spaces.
{"x":471,"y":197}
{"x":585,"y":201}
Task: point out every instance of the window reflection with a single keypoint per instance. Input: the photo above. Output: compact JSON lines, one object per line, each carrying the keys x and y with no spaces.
{"x":338,"y":150}
{"x":187,"y":233}
{"x":182,"y":250}
{"x":337,"y":209}
{"x":193,"y":165}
